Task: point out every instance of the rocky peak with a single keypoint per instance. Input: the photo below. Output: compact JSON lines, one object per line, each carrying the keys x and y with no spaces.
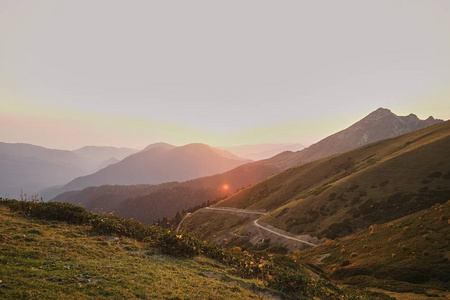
{"x":378,"y":114}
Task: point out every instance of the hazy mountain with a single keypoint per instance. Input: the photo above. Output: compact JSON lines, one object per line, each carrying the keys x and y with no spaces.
{"x":262,"y":151}
{"x":143,"y":203}
{"x":108,"y":162}
{"x":160,"y":164}
{"x":99,"y":155}
{"x":31,"y":168}
{"x":158,"y":145}
{"x":338,"y":195}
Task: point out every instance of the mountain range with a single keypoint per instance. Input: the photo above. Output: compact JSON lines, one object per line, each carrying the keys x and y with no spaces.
{"x":27,"y":169}
{"x":147,"y":204}
{"x":157,"y":164}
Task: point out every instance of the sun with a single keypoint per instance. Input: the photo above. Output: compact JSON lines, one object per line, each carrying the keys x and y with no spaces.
{"x":225,"y":187}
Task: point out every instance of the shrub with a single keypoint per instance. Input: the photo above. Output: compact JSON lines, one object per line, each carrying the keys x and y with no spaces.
{"x":51,"y":211}
{"x":55,"y":211}
{"x":178,"y":245}
{"x":345,"y":263}
{"x":112,"y":225}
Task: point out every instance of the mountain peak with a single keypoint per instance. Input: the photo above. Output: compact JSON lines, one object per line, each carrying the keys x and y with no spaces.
{"x":382,"y":110}
{"x":380,"y":113}
{"x":158,"y":145}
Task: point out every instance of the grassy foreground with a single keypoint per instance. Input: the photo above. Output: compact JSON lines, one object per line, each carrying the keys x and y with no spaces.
{"x":91,"y":256}
{"x":52,"y":260}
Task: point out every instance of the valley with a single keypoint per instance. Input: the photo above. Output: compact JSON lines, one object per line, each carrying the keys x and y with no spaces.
{"x":314,"y":208}
{"x":178,"y":150}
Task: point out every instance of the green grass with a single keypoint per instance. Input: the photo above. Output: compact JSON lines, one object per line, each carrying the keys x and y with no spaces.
{"x":51,"y":260}
{"x":103,"y":256}
{"x":410,"y":254}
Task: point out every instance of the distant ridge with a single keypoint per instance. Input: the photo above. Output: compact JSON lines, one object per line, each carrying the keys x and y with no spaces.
{"x":29,"y":168}
{"x":98,"y":154}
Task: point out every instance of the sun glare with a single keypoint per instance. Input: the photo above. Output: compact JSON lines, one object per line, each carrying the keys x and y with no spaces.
{"x":225,"y":187}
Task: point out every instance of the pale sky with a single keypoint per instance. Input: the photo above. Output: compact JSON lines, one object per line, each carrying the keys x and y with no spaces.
{"x":130,"y":73}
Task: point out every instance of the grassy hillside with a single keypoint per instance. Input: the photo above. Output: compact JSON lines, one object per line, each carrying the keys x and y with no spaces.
{"x":410,"y":254}
{"x":341,"y":194}
{"x":89,"y":256}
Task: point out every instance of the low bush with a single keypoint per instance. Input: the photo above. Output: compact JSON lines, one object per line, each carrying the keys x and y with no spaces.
{"x":178,"y":245}
{"x":51,"y":211}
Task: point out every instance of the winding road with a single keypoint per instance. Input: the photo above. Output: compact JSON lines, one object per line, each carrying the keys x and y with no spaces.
{"x":282,"y":235}
{"x":255,"y":222}
{"x":236,"y":210}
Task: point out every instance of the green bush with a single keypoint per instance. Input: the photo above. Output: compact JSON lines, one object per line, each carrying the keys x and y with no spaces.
{"x":178,"y":245}
{"x":112,"y":225}
{"x":51,"y":211}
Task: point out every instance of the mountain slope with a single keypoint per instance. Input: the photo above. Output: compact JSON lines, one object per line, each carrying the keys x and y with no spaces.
{"x":338,"y":195}
{"x":394,"y":256}
{"x":378,"y":125}
{"x":160,"y":164}
{"x":262,"y":151}
{"x":148,"y":203}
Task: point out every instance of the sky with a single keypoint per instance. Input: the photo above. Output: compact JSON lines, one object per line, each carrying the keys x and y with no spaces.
{"x":226,"y":73}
